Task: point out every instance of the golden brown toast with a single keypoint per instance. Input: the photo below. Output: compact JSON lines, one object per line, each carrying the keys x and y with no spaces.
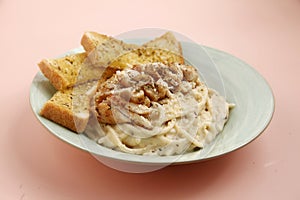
{"x":70,"y":108}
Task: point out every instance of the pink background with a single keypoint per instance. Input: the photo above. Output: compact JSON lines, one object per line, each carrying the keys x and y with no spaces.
{"x":36,"y":165}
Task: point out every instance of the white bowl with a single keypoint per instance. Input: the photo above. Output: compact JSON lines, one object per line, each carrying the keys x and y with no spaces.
{"x":233,"y":78}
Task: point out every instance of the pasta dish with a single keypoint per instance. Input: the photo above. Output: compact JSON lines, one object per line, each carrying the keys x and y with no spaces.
{"x":157,"y":109}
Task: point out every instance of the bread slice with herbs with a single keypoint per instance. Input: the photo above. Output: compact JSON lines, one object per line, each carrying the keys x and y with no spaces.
{"x":167,"y":42}
{"x":70,"y":108}
{"x":62,"y":72}
{"x":146,"y":56}
{"x":91,"y":40}
{"x":101,"y":51}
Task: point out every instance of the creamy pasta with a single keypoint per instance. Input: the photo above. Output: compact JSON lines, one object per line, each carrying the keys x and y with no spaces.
{"x":155,"y":109}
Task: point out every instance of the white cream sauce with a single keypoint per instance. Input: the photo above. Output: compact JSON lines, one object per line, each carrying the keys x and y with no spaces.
{"x":190,"y":116}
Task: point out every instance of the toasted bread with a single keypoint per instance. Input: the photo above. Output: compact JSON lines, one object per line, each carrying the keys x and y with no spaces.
{"x":102,"y":51}
{"x":62,"y":72}
{"x":70,"y":108}
{"x":144,"y":56}
{"x":92,"y":40}
{"x":166,"y":42}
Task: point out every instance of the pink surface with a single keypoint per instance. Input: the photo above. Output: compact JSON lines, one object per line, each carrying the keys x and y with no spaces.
{"x":36,"y":165}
